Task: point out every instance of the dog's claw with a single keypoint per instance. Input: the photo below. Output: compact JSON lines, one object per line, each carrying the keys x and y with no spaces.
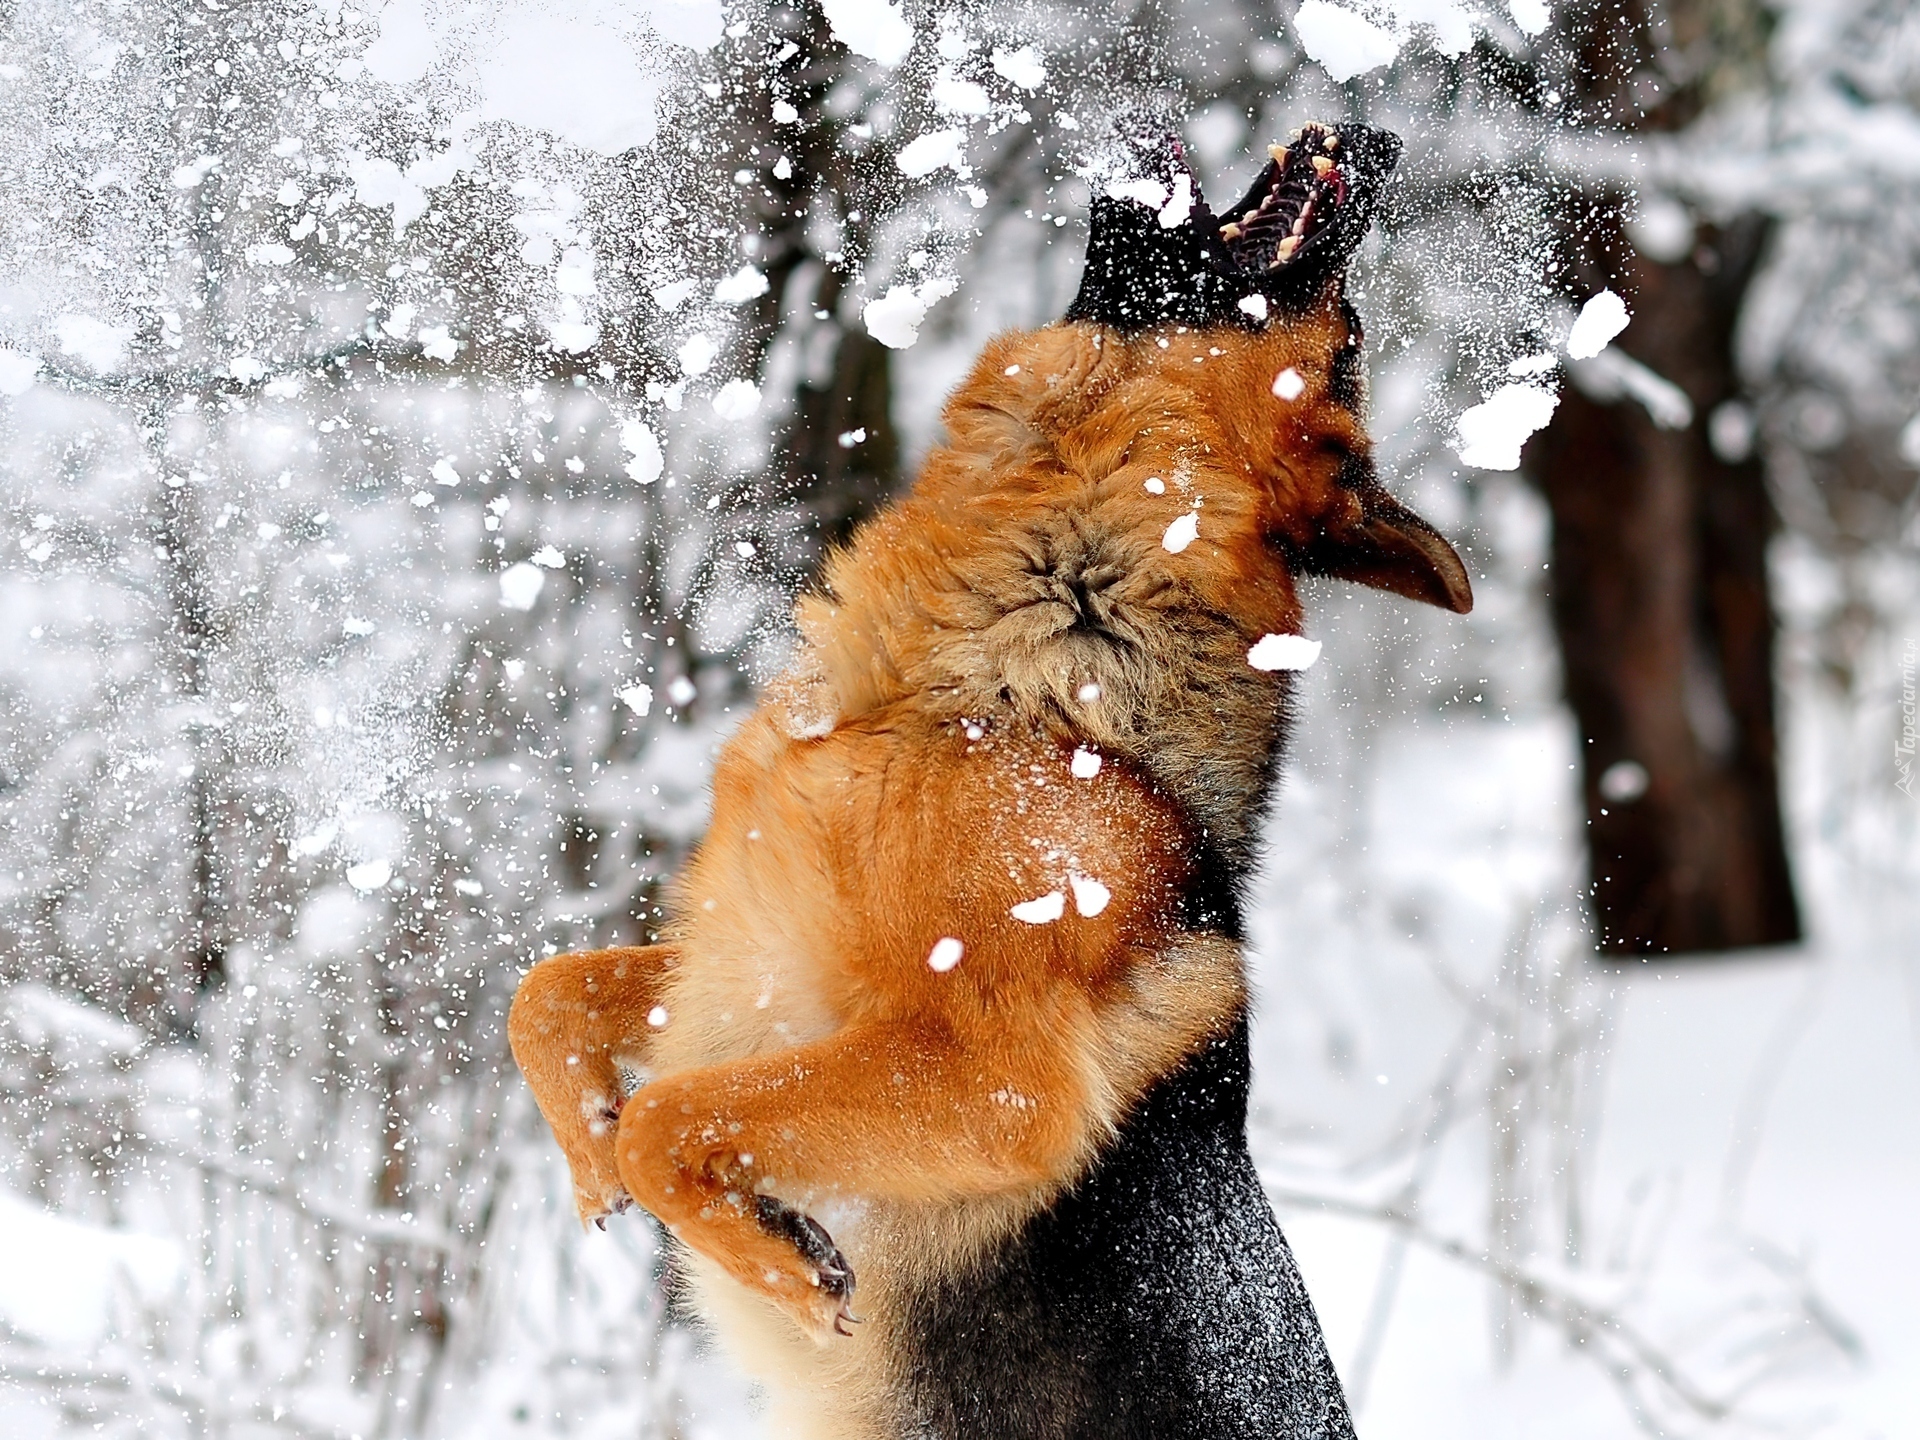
{"x":601,"y":1221}
{"x":831,"y":1272}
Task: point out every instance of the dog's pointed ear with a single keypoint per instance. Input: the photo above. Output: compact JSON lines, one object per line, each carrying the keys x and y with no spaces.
{"x":1153,"y":252}
{"x":1380,"y":542}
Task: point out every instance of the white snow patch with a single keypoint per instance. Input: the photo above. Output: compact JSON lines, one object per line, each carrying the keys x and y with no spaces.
{"x":94,"y":343}
{"x":1661,"y":228}
{"x":923,"y":156}
{"x":269,"y":254}
{"x":1147,"y":192}
{"x":1181,"y":533}
{"x":573,"y":337}
{"x":1623,"y":782}
{"x":955,"y":96}
{"x":405,"y":49}
{"x":673,"y":294}
{"x":1909,"y":433}
{"x":575,"y":273}
{"x":1022,"y":67}
{"x":945,"y":954}
{"x":744,"y":284}
{"x":315,"y":840}
{"x":17,"y":371}
{"x":895,"y":318}
{"x":369,"y":874}
{"x":1344,"y":44}
{"x":571,"y":77}
{"x":1090,"y":897}
{"x":1731,"y":431}
{"x":381,"y":182}
{"x":681,"y":690}
{"x":1491,"y":433}
{"x":1601,"y":318}
{"x":1254,"y":305}
{"x":194,"y":171}
{"x":696,"y":24}
{"x":657,"y":1017}
{"x":59,"y":1278}
{"x":1086,"y":764}
{"x":1614,"y":373}
{"x":70,"y":1028}
{"x":1288,"y":385}
{"x":1043,"y":911}
{"x":1532,"y":16}
{"x":548,"y":557}
{"x":736,"y":400}
{"x":873,"y":28}
{"x":444,"y":473}
{"x":437,"y":343}
{"x":520,"y":585}
{"x":637,"y":697}
{"x":399,"y":322}
{"x":1179,"y":203}
{"x":357,"y":627}
{"x":697,"y":355}
{"x":644,"y":459}
{"x":1283,"y":652}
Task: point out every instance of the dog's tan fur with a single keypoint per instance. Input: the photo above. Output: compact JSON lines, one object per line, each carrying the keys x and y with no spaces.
{"x":910,"y":780}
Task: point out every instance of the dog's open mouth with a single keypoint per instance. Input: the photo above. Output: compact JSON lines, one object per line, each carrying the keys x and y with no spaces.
{"x":1291,"y":203}
{"x":1174,"y":260}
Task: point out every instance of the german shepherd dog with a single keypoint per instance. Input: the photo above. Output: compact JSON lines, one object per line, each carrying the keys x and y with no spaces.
{"x":948,"y":1032}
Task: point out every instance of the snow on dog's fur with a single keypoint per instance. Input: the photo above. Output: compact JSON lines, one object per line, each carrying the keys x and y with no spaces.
{"x":925,"y":965}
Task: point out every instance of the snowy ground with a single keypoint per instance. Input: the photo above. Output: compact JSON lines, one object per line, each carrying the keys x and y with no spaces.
{"x":1771,"y":1100}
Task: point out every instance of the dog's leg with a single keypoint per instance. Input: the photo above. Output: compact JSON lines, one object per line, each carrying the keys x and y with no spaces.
{"x":577,"y":1022}
{"x":728,"y":1155}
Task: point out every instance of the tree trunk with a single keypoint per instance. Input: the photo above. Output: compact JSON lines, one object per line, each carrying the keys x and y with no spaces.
{"x":1660,"y":600}
{"x":842,"y":453}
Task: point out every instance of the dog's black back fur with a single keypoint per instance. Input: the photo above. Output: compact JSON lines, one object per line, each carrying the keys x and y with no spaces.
{"x":1157,"y":1301}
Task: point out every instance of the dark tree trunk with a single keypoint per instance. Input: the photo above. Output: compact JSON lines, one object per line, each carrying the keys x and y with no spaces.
{"x":842,"y":454}
{"x":1660,"y":600}
{"x":838,"y":452}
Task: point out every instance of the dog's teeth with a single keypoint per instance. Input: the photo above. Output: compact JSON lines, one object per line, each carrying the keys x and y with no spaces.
{"x":1322,"y":165}
{"x":1299,"y":226}
{"x":1278,"y":154}
{"x":1287,"y":247}
{"x":1230,"y":231}
{"x":1330,"y":142}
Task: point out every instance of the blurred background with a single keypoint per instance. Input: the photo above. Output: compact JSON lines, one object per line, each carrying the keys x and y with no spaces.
{"x":418,"y":418}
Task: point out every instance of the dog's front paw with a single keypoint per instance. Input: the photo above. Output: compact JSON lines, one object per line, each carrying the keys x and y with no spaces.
{"x":598,"y":1190}
{"x":823,"y":1302}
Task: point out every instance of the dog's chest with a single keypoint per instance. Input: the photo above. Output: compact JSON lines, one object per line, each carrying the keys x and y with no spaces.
{"x":762,"y":912}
